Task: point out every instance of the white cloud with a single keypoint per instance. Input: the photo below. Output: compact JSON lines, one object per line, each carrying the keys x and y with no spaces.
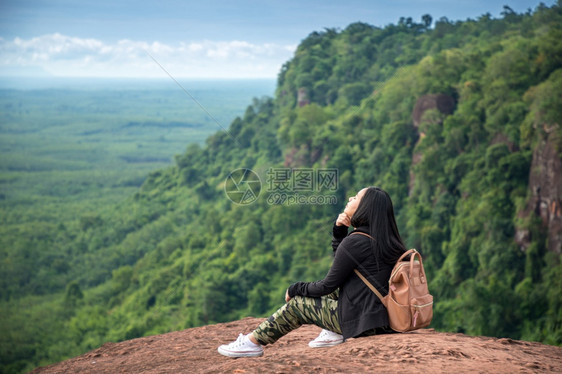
{"x":62,"y":55}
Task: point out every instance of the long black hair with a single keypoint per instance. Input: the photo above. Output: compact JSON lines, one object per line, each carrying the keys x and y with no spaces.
{"x":375,"y":211}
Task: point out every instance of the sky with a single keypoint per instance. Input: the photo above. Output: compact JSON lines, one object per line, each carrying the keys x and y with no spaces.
{"x":191,"y":39}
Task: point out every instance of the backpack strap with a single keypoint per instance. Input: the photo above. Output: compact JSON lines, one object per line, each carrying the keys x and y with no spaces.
{"x":367,"y":283}
{"x":381,"y":298}
{"x":412,"y":252}
{"x":362,"y":233}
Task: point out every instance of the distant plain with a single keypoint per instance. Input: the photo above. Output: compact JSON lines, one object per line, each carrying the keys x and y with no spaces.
{"x":73,"y":145}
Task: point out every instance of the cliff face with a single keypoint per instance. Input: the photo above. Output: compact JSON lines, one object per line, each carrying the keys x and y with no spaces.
{"x":545,"y":178}
{"x":445,"y":105}
{"x":195,"y":351}
{"x":545,"y":184}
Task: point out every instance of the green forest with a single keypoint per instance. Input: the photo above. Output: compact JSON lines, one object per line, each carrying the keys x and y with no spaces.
{"x":458,"y":120}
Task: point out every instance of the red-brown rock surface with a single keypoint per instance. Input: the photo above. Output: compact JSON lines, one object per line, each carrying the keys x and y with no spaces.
{"x":195,"y":351}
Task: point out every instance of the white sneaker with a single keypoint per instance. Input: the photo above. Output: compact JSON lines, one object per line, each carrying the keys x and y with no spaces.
{"x":326,"y":338}
{"x":241,"y":347}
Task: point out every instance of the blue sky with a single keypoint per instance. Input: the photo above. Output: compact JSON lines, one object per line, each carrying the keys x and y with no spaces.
{"x":195,"y":39}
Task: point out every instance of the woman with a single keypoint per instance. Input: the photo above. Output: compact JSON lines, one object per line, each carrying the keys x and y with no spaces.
{"x":357,"y":310}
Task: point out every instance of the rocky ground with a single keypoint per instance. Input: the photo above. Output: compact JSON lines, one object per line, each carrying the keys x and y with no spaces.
{"x":195,"y":351}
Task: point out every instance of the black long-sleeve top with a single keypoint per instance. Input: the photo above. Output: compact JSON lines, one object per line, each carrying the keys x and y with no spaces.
{"x":359,"y":309}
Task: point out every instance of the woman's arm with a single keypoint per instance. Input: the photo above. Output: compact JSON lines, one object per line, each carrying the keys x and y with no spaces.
{"x":351,"y":252}
{"x":339,"y":231}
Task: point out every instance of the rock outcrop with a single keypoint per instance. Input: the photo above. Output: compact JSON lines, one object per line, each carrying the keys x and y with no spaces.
{"x":545,"y":185}
{"x":302,"y":156}
{"x":302,"y":97}
{"x":195,"y":351}
{"x":444,"y":104}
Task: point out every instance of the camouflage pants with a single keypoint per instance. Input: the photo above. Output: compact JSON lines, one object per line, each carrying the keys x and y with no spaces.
{"x":299,"y":311}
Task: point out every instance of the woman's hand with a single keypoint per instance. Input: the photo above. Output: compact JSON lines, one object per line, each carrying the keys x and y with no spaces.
{"x":343,"y":220}
{"x":287,"y":297}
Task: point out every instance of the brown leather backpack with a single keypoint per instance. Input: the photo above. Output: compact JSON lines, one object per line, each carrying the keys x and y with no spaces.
{"x":409,"y":303}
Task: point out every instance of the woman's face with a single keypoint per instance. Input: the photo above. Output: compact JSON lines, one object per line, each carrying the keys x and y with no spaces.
{"x":353,"y":203}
